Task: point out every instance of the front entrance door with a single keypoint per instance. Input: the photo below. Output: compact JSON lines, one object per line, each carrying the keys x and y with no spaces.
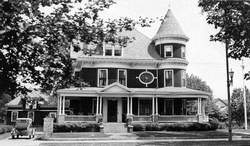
{"x":112,"y":110}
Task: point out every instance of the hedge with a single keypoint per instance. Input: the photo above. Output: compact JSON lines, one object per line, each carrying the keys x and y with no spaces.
{"x":76,"y":127}
{"x":183,"y":126}
{"x":5,"y":128}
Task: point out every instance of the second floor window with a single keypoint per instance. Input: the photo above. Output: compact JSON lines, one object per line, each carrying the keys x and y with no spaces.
{"x":122,"y":76}
{"x":168,"y":51}
{"x":108,"y":50}
{"x":102,"y":77}
{"x":168,"y":78}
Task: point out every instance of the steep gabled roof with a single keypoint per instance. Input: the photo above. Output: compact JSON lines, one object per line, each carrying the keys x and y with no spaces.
{"x":170,"y":28}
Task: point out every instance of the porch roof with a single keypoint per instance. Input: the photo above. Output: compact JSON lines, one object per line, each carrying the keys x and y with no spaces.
{"x":119,"y":90}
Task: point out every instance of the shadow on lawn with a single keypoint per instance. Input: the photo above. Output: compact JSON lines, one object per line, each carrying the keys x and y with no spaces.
{"x":186,"y":134}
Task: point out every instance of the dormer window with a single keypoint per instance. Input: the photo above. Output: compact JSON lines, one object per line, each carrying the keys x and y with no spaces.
{"x":112,"y":50}
{"x":168,"y":51}
{"x":183,"y":52}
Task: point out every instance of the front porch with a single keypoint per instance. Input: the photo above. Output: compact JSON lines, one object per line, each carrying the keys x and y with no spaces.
{"x":117,"y":103}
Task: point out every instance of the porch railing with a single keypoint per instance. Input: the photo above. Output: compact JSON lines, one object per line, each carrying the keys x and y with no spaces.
{"x":177,"y":118}
{"x":80,"y":118}
{"x":142,"y":118}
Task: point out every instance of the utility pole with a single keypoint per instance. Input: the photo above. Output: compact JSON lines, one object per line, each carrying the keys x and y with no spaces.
{"x":244,"y":94}
{"x":228,"y":96}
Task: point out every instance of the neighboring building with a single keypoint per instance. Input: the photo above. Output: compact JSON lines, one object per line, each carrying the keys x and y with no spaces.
{"x":39,"y":108}
{"x":145,"y":81}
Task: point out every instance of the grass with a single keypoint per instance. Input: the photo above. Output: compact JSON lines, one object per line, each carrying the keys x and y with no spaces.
{"x":188,"y":134}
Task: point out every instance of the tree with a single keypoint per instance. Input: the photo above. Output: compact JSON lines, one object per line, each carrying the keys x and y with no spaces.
{"x":233,"y":20}
{"x":238,"y":105}
{"x":35,"y":45}
{"x":195,"y":82}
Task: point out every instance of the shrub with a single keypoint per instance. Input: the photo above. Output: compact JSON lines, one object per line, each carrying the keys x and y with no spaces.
{"x":187,"y":126}
{"x":5,"y":128}
{"x":214,"y":123}
{"x":76,"y":127}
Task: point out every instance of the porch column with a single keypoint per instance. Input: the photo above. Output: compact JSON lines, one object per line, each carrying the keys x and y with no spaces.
{"x":156,"y":104}
{"x":153,"y":105}
{"x":131,"y":106}
{"x":60,"y":105}
{"x":63,"y":106}
{"x":128,"y":106}
{"x":97,"y":105}
{"x":100,"y":106}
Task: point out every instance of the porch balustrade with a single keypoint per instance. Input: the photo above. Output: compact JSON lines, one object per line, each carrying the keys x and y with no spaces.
{"x":80,"y":118}
{"x":178,"y":118}
{"x":142,"y":118}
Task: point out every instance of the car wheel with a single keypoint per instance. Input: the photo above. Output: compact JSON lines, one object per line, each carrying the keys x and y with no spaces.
{"x":17,"y":136}
{"x":29,"y":136}
{"x":13,"y":136}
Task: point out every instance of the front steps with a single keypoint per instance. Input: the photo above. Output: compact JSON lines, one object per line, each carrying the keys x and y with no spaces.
{"x":115,"y":128}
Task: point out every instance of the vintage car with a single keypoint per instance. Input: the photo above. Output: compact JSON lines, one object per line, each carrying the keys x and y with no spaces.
{"x":23,"y":128}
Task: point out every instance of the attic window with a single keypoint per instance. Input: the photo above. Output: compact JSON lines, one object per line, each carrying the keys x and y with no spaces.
{"x":112,"y":50}
{"x":168,"y":51}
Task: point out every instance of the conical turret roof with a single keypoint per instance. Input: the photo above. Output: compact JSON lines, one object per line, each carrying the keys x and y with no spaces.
{"x":170,"y":28}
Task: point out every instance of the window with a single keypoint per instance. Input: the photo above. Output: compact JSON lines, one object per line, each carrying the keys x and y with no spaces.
{"x":122,"y":76}
{"x":183,"y":52}
{"x":183,"y":78}
{"x":30,"y":115}
{"x":14,"y":116}
{"x":112,"y":50}
{"x":168,"y":78}
{"x":145,"y":107}
{"x":108,"y":50}
{"x":118,"y":50}
{"x":102,"y":77}
{"x":168,"y":51}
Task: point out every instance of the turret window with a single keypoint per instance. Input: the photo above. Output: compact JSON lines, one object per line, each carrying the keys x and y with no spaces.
{"x":168,"y":51}
{"x":183,"y":78}
{"x":183,"y":52}
{"x":102,"y":77}
{"x":168,"y":78}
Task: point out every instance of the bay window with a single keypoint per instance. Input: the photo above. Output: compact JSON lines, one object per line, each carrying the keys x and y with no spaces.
{"x":183,"y":78}
{"x":183,"y":52}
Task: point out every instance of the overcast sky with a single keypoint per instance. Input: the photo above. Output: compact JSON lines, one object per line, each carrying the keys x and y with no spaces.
{"x":206,"y":59}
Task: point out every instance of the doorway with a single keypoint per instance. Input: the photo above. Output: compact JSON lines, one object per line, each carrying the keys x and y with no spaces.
{"x":112,"y":111}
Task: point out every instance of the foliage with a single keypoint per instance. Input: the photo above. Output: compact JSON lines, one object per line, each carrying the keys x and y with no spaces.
{"x":184,"y":126}
{"x":5,"y":128}
{"x":237,"y":105}
{"x":76,"y":127}
{"x":36,"y":38}
{"x":4,"y":98}
{"x":196,"y":83}
{"x":233,"y":19}
{"x":215,"y":112}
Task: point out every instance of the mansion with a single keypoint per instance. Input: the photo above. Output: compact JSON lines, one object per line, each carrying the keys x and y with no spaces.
{"x":144,"y":81}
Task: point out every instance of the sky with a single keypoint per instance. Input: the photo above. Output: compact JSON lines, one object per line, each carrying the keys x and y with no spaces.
{"x":206,"y":58}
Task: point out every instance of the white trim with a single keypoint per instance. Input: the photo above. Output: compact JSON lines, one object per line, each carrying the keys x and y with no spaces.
{"x":33,"y":115}
{"x":98,"y":73}
{"x":11,"y":118}
{"x":164,"y":50}
{"x":126,"y":76}
{"x":166,"y":70}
